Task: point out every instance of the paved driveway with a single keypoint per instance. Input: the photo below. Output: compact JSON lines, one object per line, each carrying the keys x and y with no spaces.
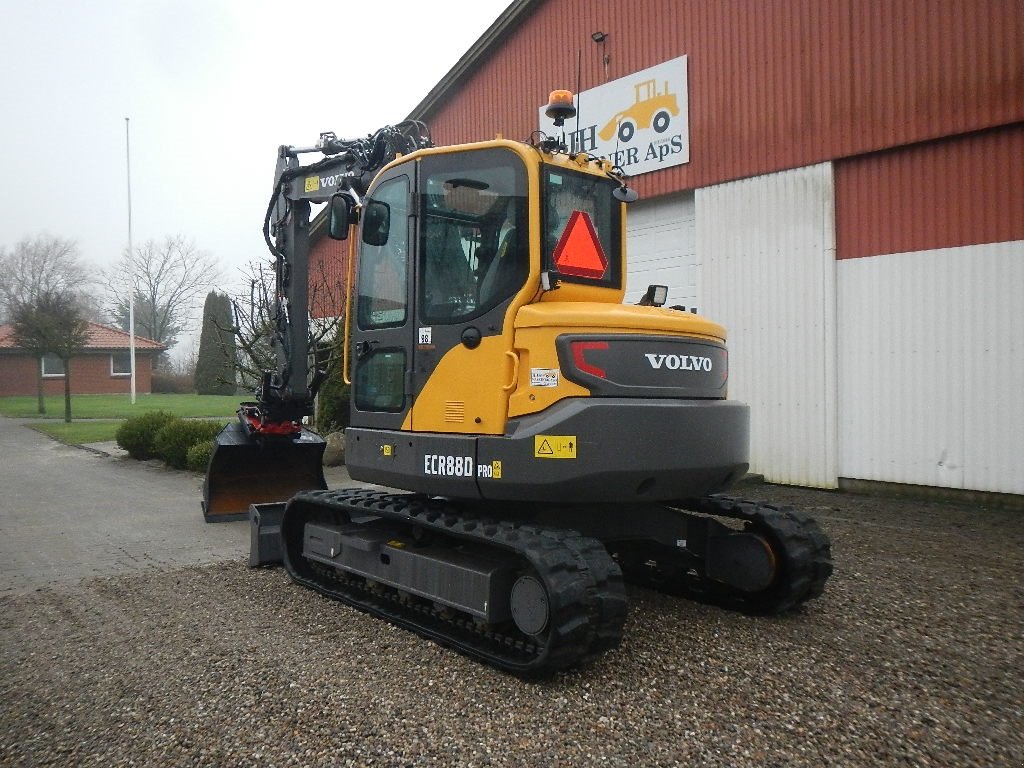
{"x":68,"y":513}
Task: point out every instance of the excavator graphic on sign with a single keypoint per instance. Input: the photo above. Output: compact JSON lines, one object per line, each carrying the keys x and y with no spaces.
{"x":650,"y":109}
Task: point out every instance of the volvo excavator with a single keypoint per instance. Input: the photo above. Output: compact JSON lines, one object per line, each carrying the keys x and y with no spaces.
{"x":548,"y":443}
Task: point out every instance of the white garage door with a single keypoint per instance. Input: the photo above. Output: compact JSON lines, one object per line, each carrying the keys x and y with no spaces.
{"x":661,"y":247}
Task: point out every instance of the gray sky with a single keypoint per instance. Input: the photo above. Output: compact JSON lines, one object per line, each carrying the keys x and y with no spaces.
{"x":212,"y":87}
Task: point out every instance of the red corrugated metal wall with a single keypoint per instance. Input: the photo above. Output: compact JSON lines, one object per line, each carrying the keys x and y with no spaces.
{"x":959,"y":191}
{"x":774,"y":84}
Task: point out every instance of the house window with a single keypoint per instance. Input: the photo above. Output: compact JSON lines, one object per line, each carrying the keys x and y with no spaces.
{"x":52,"y":365}
{"x":121,"y":364}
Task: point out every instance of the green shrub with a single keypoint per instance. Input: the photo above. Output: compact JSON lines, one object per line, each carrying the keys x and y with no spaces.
{"x":175,"y":438}
{"x":198,"y":457}
{"x":138,"y":433}
{"x":164,"y":383}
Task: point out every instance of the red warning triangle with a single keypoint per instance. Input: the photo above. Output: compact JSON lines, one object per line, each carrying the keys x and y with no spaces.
{"x":579,"y":252}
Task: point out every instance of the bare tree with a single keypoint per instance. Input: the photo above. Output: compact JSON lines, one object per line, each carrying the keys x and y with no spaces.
{"x":166,"y":279}
{"x":44,"y":263}
{"x":52,"y":324}
{"x":44,"y":291}
{"x":253,"y":309}
{"x":253,"y":328}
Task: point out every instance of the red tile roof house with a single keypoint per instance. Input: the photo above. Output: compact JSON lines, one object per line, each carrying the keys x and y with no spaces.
{"x":102,"y":368}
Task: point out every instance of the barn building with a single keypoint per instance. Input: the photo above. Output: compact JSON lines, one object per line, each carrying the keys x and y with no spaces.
{"x":839,"y":182}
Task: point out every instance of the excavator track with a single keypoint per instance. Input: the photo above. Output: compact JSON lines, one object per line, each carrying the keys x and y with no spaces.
{"x":803,"y":551}
{"x":798,"y":549}
{"x":582,"y":586}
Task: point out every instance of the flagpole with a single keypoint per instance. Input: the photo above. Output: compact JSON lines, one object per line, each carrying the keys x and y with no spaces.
{"x":131,"y":280}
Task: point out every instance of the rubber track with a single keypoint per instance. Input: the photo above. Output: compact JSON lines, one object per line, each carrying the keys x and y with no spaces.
{"x":801,"y":547}
{"x":585,"y":589}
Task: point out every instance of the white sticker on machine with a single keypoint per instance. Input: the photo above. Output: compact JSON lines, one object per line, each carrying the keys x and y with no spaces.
{"x":543,"y":377}
{"x":424,"y":336}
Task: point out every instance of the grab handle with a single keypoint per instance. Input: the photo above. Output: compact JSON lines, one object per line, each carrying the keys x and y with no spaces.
{"x":515,"y":372}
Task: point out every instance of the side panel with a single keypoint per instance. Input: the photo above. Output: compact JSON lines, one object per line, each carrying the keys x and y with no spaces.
{"x":444,"y":465}
{"x":582,"y":450}
{"x":766,"y":270}
{"x":464,"y":391}
{"x":618,"y":450}
{"x":931,"y":367}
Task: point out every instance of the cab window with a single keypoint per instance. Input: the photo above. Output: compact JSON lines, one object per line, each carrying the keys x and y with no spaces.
{"x":383,"y":269}
{"x":579,"y":210}
{"x":474,"y":248}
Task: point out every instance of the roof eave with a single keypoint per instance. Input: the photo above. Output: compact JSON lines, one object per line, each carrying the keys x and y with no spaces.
{"x":465,"y":66}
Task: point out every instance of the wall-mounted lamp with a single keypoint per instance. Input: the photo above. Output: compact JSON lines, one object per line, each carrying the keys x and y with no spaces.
{"x":599,"y":38}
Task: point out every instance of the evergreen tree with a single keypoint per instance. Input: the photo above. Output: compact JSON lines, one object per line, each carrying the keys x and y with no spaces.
{"x":215,"y":364}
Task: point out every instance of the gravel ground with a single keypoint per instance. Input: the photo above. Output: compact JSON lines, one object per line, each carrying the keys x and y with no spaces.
{"x":913,"y":657}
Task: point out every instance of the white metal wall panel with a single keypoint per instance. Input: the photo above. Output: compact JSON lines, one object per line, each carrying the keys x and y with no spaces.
{"x":766,"y":270}
{"x":660,"y":244}
{"x":931,"y":367}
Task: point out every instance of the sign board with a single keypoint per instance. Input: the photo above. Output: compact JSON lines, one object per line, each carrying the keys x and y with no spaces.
{"x":640,"y":122}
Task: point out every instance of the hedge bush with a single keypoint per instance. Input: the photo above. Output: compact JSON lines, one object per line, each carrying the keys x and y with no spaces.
{"x":198,"y":457}
{"x":173,"y":440}
{"x":137,"y":434}
{"x":164,"y":383}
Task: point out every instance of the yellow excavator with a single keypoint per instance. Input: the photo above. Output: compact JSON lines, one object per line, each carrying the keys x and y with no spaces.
{"x":550,"y":442}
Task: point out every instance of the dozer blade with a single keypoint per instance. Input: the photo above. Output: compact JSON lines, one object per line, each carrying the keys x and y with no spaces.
{"x":248,"y":470}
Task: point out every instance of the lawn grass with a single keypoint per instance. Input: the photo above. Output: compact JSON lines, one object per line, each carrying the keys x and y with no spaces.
{"x":79,"y":432}
{"x":120,"y":407}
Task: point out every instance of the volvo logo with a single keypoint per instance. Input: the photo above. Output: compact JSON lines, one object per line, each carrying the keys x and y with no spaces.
{"x":679,"y":362}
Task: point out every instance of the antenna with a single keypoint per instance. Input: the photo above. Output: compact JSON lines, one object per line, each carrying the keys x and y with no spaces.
{"x":579,"y":68}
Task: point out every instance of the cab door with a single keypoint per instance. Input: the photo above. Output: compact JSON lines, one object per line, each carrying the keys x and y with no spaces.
{"x":473,"y":260}
{"x":382,"y":329}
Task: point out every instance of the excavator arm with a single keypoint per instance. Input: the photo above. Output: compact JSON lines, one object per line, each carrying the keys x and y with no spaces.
{"x":287,"y":394}
{"x":268,"y":456}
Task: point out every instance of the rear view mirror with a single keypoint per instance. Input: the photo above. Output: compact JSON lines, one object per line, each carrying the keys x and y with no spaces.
{"x":376,"y":222}
{"x":625,"y":194}
{"x":340,"y":217}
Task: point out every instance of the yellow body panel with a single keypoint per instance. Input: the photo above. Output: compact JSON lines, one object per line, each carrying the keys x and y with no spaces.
{"x":539,"y":325}
{"x":467,"y":392}
{"x":536,"y":350}
{"x":619,"y":318}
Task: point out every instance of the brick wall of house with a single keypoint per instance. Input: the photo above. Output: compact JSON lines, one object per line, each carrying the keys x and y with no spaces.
{"x":90,"y":375}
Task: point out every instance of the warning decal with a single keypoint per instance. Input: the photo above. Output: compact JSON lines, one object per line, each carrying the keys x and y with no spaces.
{"x":554,"y":446}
